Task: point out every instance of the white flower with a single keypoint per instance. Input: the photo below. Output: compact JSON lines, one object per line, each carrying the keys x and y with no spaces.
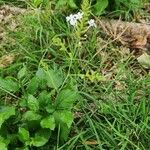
{"x":68,"y":18}
{"x":91,"y":23}
{"x":73,"y":22}
{"x":79,"y":15}
{"x":73,"y":18}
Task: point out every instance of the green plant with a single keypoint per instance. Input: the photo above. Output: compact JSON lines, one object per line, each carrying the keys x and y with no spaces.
{"x":98,"y":6}
{"x":68,"y":88}
{"x":43,"y":109}
{"x":124,"y":8}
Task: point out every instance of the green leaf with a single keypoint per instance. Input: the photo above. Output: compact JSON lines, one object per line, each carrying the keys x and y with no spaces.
{"x":9,"y":85}
{"x":6,"y":140}
{"x":65,"y":99}
{"x":50,"y":108}
{"x":41,"y":74}
{"x":41,"y":138}
{"x":3,"y":146}
{"x":72,"y":4}
{"x":48,"y":122}
{"x":54,"y":79}
{"x":66,"y":117}
{"x":31,"y":116}
{"x":22,"y":72}
{"x":33,"y":85}
{"x":64,"y":132}
{"x":3,"y":143}
{"x":100,"y":6}
{"x":37,"y":2}
{"x":23,"y":135}
{"x":33,"y":103}
{"x":5,"y":113}
{"x":60,"y":3}
{"x":44,"y":98}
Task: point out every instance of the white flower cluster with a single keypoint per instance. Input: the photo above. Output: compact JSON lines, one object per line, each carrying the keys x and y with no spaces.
{"x":74,"y":18}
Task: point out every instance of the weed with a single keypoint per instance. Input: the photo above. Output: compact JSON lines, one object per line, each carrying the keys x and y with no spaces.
{"x":64,"y":89}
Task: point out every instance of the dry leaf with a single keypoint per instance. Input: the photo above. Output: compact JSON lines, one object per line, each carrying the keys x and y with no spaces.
{"x":144,"y":60}
{"x":6,"y":60}
{"x":78,"y":114}
{"x":147,"y":7}
{"x":131,"y":34}
{"x":90,"y":142}
{"x":7,"y":14}
{"x":119,"y":86}
{"x":140,"y":41}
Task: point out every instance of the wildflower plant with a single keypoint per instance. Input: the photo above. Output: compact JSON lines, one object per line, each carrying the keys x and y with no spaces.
{"x":80,"y":21}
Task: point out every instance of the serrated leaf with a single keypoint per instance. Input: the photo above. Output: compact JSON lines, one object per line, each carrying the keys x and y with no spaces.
{"x":31,"y":115}
{"x":41,"y":74}
{"x":33,"y":86}
{"x":50,"y":108}
{"x":54,"y":79}
{"x":9,"y":85}
{"x":22,"y":72}
{"x":41,"y":78}
{"x":100,"y":6}
{"x":5,"y":113}
{"x":44,"y":98}
{"x":66,"y":117}
{"x":48,"y":122}
{"x":65,"y":99}
{"x":33,"y":103}
{"x":23,"y":135}
{"x":41,"y":138}
{"x":64,"y":132}
{"x":144,"y":60}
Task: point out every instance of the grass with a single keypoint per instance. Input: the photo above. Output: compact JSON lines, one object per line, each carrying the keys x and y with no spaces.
{"x":112,"y":111}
